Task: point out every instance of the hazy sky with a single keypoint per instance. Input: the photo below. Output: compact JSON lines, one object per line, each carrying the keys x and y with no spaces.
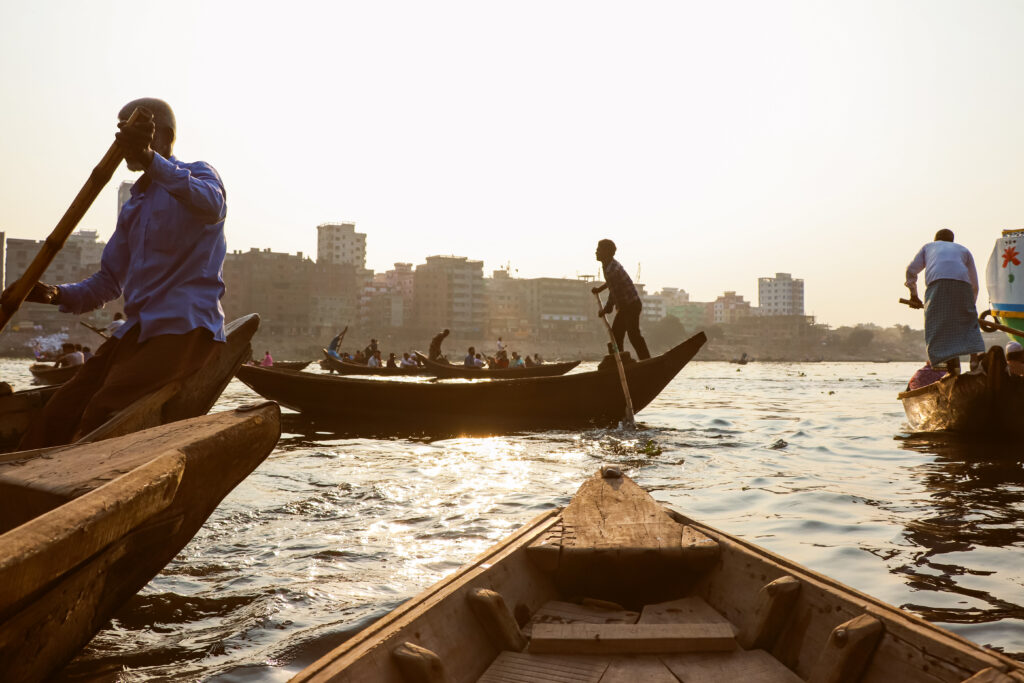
{"x":715,"y":142}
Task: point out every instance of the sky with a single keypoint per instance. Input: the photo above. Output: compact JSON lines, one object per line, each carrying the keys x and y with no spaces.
{"x":715,"y":142}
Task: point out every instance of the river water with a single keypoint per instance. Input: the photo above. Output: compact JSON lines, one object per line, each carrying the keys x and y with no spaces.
{"x":811,"y":461}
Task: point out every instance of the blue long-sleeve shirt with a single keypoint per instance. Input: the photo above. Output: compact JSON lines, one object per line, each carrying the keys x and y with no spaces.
{"x":166,"y":255}
{"x":621,"y":290}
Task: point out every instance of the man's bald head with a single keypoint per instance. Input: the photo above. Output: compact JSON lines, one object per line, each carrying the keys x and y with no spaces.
{"x":163,"y":115}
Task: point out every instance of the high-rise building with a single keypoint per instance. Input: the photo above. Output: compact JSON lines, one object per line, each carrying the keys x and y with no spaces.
{"x":124,"y":193}
{"x":780,"y":295}
{"x":340,"y":243}
{"x":448,"y":292}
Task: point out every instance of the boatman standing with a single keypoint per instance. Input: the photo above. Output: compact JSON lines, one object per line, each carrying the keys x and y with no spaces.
{"x":166,"y":257}
{"x":622,"y":295}
{"x":951,"y":290}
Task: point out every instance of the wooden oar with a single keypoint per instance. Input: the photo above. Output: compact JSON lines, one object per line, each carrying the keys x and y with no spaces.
{"x":628,"y":421}
{"x":99,"y":177}
{"x":94,"y":329}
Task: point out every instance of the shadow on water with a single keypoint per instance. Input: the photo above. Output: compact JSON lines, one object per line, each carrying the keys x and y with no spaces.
{"x":976,"y":490}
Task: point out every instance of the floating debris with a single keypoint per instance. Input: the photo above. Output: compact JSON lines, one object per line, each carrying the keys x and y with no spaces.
{"x":779,"y":444}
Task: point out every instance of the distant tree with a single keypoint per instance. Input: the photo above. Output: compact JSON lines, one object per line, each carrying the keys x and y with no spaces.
{"x":859,"y":338}
{"x":715,"y":332}
{"x":666,"y":333}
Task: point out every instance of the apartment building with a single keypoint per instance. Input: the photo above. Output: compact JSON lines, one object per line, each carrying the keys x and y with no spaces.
{"x":780,"y":295}
{"x":448,"y":292}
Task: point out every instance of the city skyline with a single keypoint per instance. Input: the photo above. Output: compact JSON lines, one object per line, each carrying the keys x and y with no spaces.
{"x":714,"y":143}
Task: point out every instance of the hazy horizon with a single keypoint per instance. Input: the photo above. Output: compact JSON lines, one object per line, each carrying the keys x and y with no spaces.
{"x":715,"y":143}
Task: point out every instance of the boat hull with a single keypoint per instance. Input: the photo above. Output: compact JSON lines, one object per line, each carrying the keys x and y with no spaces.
{"x":989,"y":403}
{"x":343,"y":368}
{"x":48,"y":374}
{"x":568,"y":401}
{"x":615,"y":563}
{"x":67,"y":568}
{"x":461,"y":372}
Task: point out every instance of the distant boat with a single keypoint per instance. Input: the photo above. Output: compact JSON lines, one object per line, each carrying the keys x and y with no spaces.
{"x":50,"y":374}
{"x":343,"y":367}
{"x":292,"y":364}
{"x":565,"y":401}
{"x":742,"y":360}
{"x":463,"y":372}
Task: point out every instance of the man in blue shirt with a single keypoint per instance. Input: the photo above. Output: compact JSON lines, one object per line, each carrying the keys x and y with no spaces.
{"x":166,"y":257}
{"x":622,"y":295}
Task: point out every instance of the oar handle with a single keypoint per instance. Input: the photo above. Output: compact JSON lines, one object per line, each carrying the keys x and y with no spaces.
{"x":99,"y":177}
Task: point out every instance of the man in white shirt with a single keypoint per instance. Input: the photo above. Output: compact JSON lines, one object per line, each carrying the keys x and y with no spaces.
{"x":951,"y":290}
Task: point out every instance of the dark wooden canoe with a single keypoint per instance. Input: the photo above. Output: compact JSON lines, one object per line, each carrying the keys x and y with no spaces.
{"x":190,"y":398}
{"x":989,"y":402}
{"x":48,"y":374}
{"x":617,"y":588}
{"x":345,"y":368}
{"x":292,"y":364}
{"x":567,"y":401}
{"x":85,"y":527}
{"x":461,"y":371}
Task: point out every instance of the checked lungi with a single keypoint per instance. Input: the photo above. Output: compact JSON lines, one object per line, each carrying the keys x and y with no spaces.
{"x":950,"y":321}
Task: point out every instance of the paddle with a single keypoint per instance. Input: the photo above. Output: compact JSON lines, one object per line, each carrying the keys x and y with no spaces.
{"x":94,"y":329}
{"x":628,"y":421}
{"x":99,"y":177}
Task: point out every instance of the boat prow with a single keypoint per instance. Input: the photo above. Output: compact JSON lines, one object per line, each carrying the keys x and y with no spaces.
{"x":85,"y":527}
{"x":617,"y":588}
{"x":190,"y":397}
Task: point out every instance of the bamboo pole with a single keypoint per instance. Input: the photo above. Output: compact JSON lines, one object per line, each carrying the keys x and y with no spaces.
{"x":628,"y":421}
{"x":99,"y":177}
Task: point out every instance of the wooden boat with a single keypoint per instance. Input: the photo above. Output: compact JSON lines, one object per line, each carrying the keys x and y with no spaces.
{"x":49,"y":374}
{"x":292,"y":364}
{"x":85,"y":527}
{"x":988,"y":402}
{"x":616,"y":588}
{"x":566,"y":401}
{"x":447,"y":370}
{"x":346,"y":368}
{"x":189,"y":398}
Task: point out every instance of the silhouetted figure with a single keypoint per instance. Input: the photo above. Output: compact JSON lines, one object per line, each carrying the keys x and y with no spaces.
{"x":622,"y":295}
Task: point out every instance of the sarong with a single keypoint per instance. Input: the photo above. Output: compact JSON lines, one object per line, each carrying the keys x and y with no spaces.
{"x":950,"y":321}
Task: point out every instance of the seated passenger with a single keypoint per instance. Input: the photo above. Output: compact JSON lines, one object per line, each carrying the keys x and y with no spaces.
{"x":517,"y":361}
{"x":1015,"y":359}
{"x":470,"y":360}
{"x":374,"y":361}
{"x":392,"y":360}
{"x":925,"y":376}
{"x":408,"y":361}
{"x":478,"y":361}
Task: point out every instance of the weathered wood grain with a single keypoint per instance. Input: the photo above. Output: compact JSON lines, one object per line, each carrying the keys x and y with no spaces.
{"x":630,"y":638}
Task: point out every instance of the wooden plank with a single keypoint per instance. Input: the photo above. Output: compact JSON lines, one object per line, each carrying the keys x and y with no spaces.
{"x":71,"y":471}
{"x":848,"y":652}
{"x":40,"y":551}
{"x":630,"y":638}
{"x":755,"y":666}
{"x":989,"y":675}
{"x":691,"y":610}
{"x":523,"y":667}
{"x":638,"y":669}
{"x":559,"y":612}
{"x":774,"y":605}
